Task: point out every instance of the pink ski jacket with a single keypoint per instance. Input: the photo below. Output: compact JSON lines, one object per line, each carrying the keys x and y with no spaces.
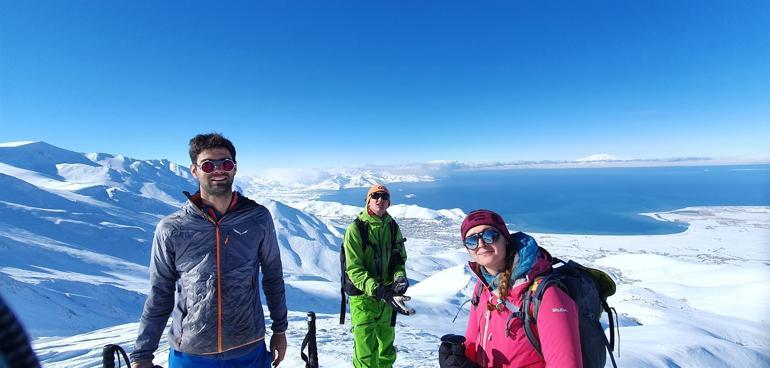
{"x":496,"y":338}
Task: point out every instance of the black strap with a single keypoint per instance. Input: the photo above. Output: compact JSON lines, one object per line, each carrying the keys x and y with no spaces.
{"x":363,"y":232}
{"x":536,"y":298}
{"x":343,"y":305}
{"x":109,"y":352}
{"x":396,"y":259}
{"x":311,"y":358}
{"x":524,"y":312}
{"x":607,"y":343}
{"x":343,"y":276}
{"x":609,"y":310}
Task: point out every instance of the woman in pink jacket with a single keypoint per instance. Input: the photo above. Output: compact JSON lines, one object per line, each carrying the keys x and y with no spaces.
{"x":505,"y":265}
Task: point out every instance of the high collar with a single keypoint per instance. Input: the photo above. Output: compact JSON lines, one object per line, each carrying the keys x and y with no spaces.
{"x":236,"y":201}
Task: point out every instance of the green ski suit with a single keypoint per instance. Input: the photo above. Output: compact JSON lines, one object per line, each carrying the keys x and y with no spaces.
{"x":373,"y":320}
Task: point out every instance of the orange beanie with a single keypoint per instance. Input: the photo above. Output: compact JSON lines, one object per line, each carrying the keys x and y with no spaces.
{"x":374,"y":189}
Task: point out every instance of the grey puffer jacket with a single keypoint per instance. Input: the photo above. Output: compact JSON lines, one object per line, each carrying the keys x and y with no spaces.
{"x":211,"y":270}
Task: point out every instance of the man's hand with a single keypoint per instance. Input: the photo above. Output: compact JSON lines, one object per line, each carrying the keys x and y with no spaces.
{"x":451,"y":353}
{"x":385,"y":293}
{"x":400,"y":285}
{"x":277,"y":347}
{"x":142,"y":364}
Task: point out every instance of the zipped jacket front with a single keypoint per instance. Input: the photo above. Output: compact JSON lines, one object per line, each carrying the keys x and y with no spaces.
{"x":204,"y":272}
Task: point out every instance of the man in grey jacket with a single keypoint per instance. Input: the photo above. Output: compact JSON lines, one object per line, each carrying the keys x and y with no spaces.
{"x":204,"y":271}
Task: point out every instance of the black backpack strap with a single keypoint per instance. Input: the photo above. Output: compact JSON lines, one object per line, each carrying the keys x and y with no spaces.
{"x":363,"y":232}
{"x":609,"y":311}
{"x":395,"y":251}
{"x":396,"y":258}
{"x":524,"y":314}
{"x":343,"y":280}
{"x":542,"y":286}
{"x":531,"y":305}
{"x":343,"y":299}
{"x":611,"y":344}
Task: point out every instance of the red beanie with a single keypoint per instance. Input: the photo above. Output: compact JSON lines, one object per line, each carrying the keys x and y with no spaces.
{"x":484,"y":217}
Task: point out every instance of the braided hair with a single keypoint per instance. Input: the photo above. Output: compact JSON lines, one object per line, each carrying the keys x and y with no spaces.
{"x":505,"y":276}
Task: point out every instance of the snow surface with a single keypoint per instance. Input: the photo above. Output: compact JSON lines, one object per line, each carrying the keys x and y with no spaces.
{"x":16,"y":144}
{"x":74,"y":250}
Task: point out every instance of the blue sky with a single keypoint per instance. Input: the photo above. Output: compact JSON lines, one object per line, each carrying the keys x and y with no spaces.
{"x":319,"y":84}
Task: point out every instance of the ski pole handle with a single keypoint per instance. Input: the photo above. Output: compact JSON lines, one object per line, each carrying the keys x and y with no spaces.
{"x":108,"y":355}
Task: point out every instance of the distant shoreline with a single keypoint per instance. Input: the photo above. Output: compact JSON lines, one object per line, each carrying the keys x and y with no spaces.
{"x":616,"y":164}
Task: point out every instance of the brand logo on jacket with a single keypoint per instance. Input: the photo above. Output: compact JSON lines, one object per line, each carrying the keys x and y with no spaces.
{"x":240,"y":233}
{"x":559,"y":310}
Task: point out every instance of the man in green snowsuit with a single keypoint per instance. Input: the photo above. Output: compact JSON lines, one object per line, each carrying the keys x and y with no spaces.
{"x":381,"y":279}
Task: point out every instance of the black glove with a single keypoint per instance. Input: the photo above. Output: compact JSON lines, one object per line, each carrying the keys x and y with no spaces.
{"x":451,"y":353}
{"x":385,"y":293}
{"x":400,"y":285}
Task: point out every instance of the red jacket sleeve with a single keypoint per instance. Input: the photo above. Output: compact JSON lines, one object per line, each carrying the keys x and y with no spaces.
{"x":557,"y":323}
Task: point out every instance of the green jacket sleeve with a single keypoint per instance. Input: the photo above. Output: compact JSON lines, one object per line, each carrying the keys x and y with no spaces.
{"x":354,"y":260}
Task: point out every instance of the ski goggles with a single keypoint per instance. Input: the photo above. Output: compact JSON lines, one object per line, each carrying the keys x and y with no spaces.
{"x":378,"y":195}
{"x":488,"y":236}
{"x":208,"y":166}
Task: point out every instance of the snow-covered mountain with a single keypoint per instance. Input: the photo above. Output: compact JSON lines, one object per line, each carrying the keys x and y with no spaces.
{"x":75,"y":233}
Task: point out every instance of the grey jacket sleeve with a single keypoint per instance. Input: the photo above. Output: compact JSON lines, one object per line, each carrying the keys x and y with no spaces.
{"x":160,"y":300}
{"x":272,"y":277}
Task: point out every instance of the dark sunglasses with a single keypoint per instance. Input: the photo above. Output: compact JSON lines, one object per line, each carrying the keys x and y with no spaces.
{"x":208,"y":166}
{"x":378,"y":195}
{"x":489,"y":236}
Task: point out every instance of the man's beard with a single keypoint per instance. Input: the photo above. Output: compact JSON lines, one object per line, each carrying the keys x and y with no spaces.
{"x":217,"y":189}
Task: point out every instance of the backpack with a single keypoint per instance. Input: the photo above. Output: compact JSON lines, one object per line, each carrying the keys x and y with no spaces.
{"x":589,"y":288}
{"x":396,"y":259}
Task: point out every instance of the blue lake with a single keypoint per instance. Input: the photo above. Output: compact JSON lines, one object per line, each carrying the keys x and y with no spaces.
{"x":584,"y":201}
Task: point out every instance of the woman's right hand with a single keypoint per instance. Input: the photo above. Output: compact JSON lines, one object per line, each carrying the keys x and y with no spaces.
{"x":451,"y":353}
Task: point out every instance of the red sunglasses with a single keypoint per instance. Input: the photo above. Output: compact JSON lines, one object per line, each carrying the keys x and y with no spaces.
{"x":208,"y":166}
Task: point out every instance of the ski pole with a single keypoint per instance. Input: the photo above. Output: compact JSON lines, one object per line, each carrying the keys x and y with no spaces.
{"x":311,"y":359}
{"x":110,"y":351}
